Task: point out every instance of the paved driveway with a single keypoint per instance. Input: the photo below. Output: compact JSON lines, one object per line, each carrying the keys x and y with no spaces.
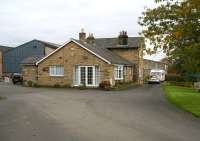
{"x":138,"y":114}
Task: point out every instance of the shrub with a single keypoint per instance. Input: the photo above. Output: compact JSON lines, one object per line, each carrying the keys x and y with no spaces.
{"x":119,"y":82}
{"x":123,"y":85}
{"x":57,"y":86}
{"x":30,"y":83}
{"x":82,"y":86}
{"x":105,"y":85}
{"x":175,"y":78}
{"x":146,"y":78}
{"x":183,"y":84}
{"x":35,"y":85}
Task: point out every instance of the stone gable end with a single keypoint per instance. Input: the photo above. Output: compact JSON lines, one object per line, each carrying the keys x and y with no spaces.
{"x":69,"y":56}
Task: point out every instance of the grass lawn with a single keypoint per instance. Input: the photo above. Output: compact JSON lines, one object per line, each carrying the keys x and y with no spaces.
{"x":186,"y":98}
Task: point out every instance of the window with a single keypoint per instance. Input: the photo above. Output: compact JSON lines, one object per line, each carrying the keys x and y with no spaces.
{"x":119,"y":72}
{"x":86,"y":75}
{"x":56,"y":71}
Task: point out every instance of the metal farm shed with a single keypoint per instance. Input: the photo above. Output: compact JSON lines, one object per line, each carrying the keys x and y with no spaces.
{"x":13,"y":58}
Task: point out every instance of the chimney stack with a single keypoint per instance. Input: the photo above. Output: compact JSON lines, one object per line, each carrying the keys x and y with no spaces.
{"x":91,"y":39}
{"x":82,"y":35}
{"x":123,"y":38}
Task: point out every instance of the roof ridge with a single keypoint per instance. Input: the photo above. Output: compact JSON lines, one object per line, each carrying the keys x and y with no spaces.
{"x":107,"y":51}
{"x":48,"y":42}
{"x":117,"y":37}
{"x":5,"y":46}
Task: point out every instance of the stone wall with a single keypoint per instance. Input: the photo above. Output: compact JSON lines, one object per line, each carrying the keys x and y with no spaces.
{"x":128,"y":74}
{"x":135,"y":56}
{"x":29,"y":73}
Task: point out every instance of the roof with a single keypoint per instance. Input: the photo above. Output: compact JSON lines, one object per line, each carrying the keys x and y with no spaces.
{"x":102,"y":53}
{"x":105,"y":53}
{"x":31,"y":60}
{"x":160,"y":62}
{"x":5,"y":48}
{"x":133,"y":42}
{"x":49,"y":44}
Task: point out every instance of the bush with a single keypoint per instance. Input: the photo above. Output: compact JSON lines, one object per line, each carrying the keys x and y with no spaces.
{"x":123,"y":85}
{"x":35,"y":85}
{"x":105,"y":85}
{"x":30,"y":83}
{"x":57,"y":86}
{"x":82,"y":86}
{"x":183,"y":84}
{"x":174,"y":78}
{"x":146,"y":78}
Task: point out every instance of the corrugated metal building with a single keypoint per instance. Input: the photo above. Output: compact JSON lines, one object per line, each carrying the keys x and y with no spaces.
{"x":13,"y":58}
{"x":2,"y":49}
{"x":1,"y":63}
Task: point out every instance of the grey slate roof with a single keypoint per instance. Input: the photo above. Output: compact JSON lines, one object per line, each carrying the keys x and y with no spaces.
{"x":5,"y":48}
{"x":105,"y":53}
{"x":133,"y":42}
{"x":102,"y":46}
{"x":31,"y":60}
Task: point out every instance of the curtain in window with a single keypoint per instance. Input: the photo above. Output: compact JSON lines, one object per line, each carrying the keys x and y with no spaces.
{"x":76,"y":75}
{"x":56,"y":70}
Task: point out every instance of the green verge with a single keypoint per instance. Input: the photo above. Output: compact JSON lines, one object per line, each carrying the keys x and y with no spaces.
{"x":185,"y":98}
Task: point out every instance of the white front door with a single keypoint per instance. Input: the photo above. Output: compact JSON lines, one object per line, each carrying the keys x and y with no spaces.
{"x":87,"y":75}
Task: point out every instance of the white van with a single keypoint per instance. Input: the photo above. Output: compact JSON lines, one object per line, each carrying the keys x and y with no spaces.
{"x":158,"y":74}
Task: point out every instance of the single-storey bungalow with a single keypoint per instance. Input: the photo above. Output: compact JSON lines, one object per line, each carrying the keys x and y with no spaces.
{"x":88,"y":61}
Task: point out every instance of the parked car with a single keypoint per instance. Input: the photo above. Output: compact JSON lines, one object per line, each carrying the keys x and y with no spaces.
{"x":154,"y":79}
{"x":17,"y":78}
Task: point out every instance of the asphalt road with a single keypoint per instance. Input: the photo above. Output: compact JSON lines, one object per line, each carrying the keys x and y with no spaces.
{"x":137,"y":114}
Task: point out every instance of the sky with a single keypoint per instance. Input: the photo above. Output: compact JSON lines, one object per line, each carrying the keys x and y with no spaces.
{"x":59,"y":20}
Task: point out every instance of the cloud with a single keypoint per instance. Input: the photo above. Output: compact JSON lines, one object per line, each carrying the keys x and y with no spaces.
{"x":59,"y":20}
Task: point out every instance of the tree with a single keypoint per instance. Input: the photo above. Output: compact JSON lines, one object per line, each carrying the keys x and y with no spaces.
{"x":174,"y":27}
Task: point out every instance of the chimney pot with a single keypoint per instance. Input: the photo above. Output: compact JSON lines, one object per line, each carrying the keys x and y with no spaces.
{"x":123,"y":38}
{"x":91,"y":39}
{"x":82,"y":35}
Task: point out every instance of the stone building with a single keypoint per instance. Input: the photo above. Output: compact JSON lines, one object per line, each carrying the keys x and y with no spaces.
{"x":89,"y":61}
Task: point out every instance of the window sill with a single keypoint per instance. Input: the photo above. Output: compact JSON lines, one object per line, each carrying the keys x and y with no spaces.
{"x":119,"y":78}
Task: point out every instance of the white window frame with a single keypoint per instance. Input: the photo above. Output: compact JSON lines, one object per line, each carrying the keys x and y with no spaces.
{"x":117,"y":70}
{"x":54,"y":70}
{"x":86,"y":75}
{"x":96,"y":76}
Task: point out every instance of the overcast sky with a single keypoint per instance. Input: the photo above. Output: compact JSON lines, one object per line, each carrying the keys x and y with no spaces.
{"x":58,"y":20}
